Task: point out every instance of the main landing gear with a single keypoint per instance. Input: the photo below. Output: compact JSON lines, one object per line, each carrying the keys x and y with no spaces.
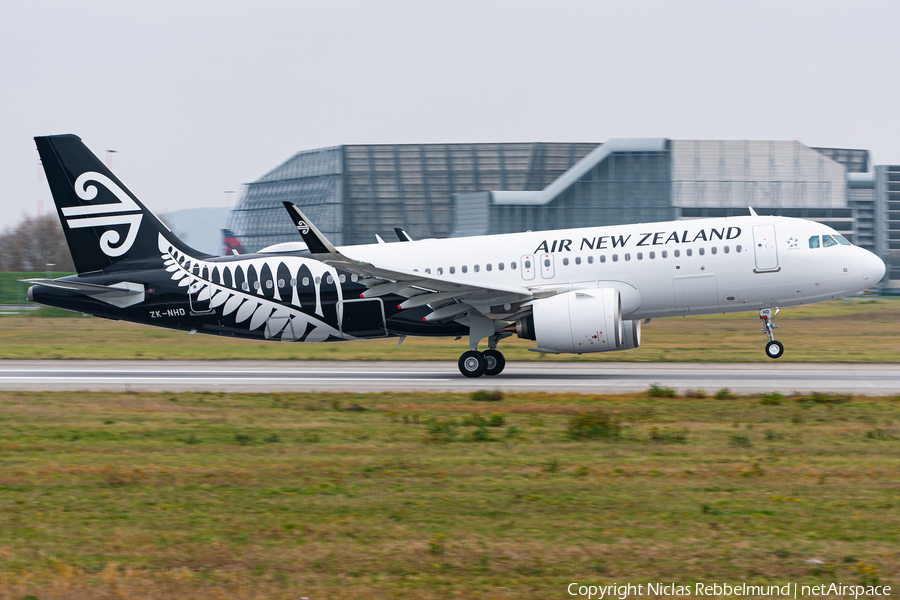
{"x":490,"y":362}
{"x":774,"y":349}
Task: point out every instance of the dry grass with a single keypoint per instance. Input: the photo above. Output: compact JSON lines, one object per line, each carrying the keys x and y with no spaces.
{"x":863,"y":331}
{"x":288,"y":495}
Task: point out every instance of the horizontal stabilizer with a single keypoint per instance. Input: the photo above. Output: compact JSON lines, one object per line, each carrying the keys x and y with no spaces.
{"x":118,"y":294}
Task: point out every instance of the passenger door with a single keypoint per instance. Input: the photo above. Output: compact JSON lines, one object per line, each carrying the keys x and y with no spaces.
{"x":764,"y":248}
{"x":199,"y":295}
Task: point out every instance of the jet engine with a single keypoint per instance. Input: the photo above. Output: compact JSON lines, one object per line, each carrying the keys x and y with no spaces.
{"x":588,"y":320}
{"x":632,"y":337}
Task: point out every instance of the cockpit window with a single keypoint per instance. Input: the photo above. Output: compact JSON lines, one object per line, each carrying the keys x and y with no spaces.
{"x":814,"y":241}
{"x":827,"y":241}
{"x":842,"y":240}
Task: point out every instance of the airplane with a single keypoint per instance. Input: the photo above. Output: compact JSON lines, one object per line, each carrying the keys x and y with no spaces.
{"x":577,"y":291}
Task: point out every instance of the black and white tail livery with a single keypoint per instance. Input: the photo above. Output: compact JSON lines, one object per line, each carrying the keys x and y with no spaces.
{"x":577,"y":291}
{"x":104,"y":222}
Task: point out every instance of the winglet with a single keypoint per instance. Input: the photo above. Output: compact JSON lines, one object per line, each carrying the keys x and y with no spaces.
{"x":752,"y":212}
{"x":315,"y":241}
{"x":402,"y":235}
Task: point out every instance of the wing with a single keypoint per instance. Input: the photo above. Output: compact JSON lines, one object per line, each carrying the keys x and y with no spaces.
{"x":448,"y":298}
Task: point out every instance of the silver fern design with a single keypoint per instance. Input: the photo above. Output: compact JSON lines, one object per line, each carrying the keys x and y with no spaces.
{"x":259,"y":292}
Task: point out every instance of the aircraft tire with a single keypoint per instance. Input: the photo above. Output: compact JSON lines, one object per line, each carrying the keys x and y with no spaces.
{"x":472,"y":364}
{"x":494,"y":362}
{"x":774,"y":349}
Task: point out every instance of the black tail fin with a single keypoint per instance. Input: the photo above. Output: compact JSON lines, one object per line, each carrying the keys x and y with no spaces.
{"x":103,"y":222}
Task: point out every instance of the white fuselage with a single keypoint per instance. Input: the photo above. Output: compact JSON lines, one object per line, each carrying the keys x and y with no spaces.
{"x":661,"y":269}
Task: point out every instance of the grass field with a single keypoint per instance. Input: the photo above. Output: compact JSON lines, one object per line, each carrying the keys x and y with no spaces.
{"x":12,"y":291}
{"x":144,"y":495}
{"x":866,"y":330}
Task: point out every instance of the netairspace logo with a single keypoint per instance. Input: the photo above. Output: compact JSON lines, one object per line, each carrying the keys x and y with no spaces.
{"x":790,"y":590}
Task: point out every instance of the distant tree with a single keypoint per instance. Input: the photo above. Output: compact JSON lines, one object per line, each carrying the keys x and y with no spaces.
{"x":33,"y":244}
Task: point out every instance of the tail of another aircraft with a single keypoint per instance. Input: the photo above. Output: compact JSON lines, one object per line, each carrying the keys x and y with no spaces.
{"x":104,"y":223}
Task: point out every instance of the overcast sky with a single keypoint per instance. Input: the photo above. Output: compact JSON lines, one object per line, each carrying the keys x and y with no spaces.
{"x":200,"y":97}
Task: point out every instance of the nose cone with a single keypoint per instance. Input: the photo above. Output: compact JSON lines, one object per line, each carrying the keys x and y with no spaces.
{"x":872,"y":268}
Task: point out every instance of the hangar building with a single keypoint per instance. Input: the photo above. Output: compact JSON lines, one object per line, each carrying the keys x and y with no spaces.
{"x":354,"y":193}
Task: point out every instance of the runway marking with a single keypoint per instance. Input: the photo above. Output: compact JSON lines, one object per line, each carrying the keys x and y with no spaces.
{"x":206,"y":379}
{"x":440,"y":376}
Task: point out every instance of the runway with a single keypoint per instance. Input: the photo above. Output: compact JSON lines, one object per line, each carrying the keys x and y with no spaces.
{"x":587,"y":378}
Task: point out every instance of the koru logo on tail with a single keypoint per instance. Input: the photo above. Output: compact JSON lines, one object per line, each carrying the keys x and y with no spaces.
{"x":123,"y":212}
{"x":302,"y":227}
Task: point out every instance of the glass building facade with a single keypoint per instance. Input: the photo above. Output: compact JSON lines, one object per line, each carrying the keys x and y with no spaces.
{"x":354,"y":193}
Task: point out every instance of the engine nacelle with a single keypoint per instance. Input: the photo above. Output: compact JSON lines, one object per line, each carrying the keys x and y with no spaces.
{"x":632,"y":335}
{"x":588,"y":320}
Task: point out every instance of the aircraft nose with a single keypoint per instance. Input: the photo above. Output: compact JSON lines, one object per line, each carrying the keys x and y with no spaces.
{"x":873,"y":268}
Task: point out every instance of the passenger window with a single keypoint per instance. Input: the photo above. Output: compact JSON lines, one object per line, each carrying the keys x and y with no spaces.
{"x":329,"y":279}
{"x":627,"y":256}
{"x":726,"y":249}
{"x":565,"y":262}
{"x":665,"y":254}
{"x":318,"y":280}
{"x":827,"y":241}
{"x":677,"y":253}
{"x":500,"y":266}
{"x":652,"y":255}
{"x":842,"y":240}
{"x":477,"y":268}
{"x":354,"y":278}
{"x":512,"y":265}
{"x":305,"y":281}
{"x":255,"y":285}
{"x":640,"y":256}
{"x":702,"y":251}
{"x":714,"y":250}
{"x":689,"y":252}
{"x":737,"y":248}
{"x":440,"y":270}
{"x":428,"y":271}
{"x":488,"y":266}
{"x":269,"y":284}
{"x":293,"y":282}
{"x":591,"y":259}
{"x":615,"y":258}
{"x":814,"y":241}
{"x":603,"y":258}
{"x":527,"y":264}
{"x":577,"y":260}
{"x":546,"y":262}
{"x":281,"y":282}
{"x":342,"y":278}
{"x":245,"y":287}
{"x":452,"y":270}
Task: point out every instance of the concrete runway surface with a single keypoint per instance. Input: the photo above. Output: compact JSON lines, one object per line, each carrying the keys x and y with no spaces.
{"x":588,"y":378}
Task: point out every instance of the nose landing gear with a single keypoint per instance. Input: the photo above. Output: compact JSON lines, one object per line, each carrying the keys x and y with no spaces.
{"x":774,"y":349}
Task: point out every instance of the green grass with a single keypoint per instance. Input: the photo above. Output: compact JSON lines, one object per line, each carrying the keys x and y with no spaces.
{"x":12,"y":291}
{"x":287,"y":495}
{"x":858,"y":331}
